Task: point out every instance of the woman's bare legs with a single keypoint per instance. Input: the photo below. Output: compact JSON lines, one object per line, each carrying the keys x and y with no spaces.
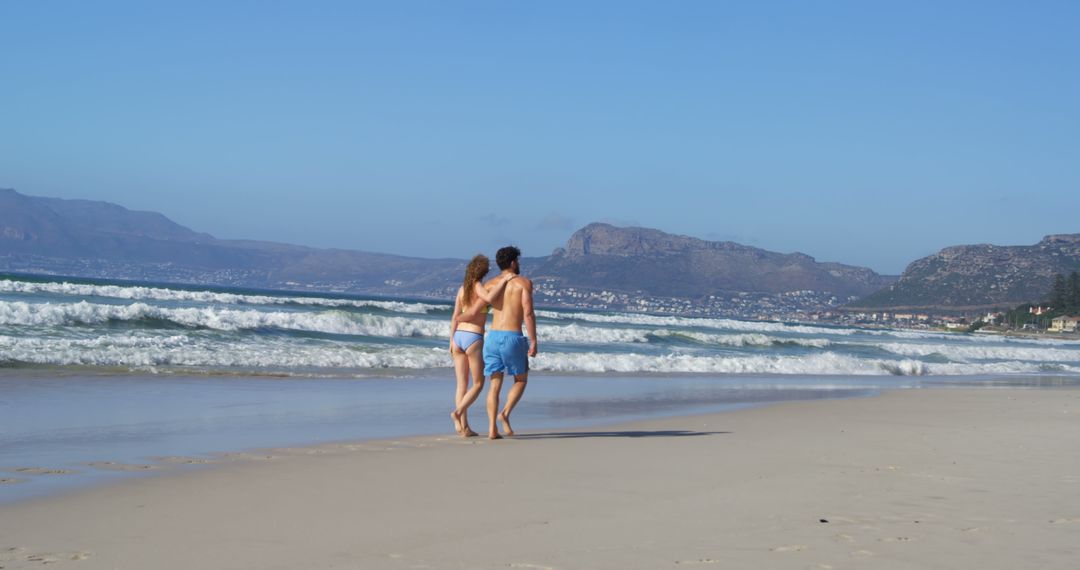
{"x":475,"y":364}
{"x":461,"y":372}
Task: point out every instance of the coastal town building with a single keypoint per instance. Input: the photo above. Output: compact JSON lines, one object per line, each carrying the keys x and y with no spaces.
{"x":993,"y":318}
{"x":1065,"y":324}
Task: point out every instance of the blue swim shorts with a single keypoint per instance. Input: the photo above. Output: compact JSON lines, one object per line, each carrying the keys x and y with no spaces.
{"x":506,"y":351}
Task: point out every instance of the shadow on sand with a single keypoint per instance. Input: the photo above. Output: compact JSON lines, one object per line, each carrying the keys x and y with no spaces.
{"x":629,"y":433}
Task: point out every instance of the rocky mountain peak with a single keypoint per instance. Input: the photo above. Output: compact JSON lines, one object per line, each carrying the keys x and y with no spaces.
{"x":1058,"y":240}
{"x":606,"y":239}
{"x":642,"y":259}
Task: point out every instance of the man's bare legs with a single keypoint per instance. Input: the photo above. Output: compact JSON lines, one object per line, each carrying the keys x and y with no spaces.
{"x":493,"y":404}
{"x":512,"y":399}
{"x":475,"y":366}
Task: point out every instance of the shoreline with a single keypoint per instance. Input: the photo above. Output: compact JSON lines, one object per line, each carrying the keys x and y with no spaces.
{"x":910,"y":478}
{"x":138,"y":426}
{"x":63,"y":433}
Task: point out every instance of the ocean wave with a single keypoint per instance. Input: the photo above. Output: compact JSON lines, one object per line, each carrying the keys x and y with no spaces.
{"x":827,"y":363}
{"x":181,"y":350}
{"x":969,"y":353}
{"x":329,"y":322}
{"x":742,"y":340}
{"x":137,"y":293}
{"x":139,"y":351}
{"x":218,"y":318}
{"x":725,"y":324}
{"x":577,"y":334}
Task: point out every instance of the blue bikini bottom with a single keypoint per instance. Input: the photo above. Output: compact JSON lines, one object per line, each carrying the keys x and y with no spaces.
{"x":465,"y":339}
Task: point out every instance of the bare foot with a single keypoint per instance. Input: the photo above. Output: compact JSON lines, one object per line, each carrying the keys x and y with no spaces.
{"x":505,"y":419}
{"x":456,"y":418}
{"x":469,"y":432}
{"x":494,"y":435}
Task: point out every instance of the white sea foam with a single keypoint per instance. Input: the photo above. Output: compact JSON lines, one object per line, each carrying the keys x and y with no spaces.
{"x":746,"y":339}
{"x":827,"y":363}
{"x":725,"y":324}
{"x":970,"y":353}
{"x":137,"y":349}
{"x":179,"y":350}
{"x":136,"y":293}
{"x":220,"y":318}
{"x":326,"y":321}
{"x":224,"y":330}
{"x":575,"y":333}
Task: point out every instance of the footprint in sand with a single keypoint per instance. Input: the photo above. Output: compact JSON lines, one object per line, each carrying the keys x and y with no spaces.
{"x":1064,"y":521}
{"x":114,"y":466}
{"x":862,"y":553}
{"x":299,"y":451}
{"x":528,"y":565}
{"x":843,"y":520}
{"x":176,"y":459}
{"x":789,"y":548}
{"x":43,"y":471}
{"x":698,"y":561}
{"x":248,"y":456}
{"x":19,"y":554}
{"x":844,"y":538}
{"x":9,"y":553}
{"x":895,"y":539}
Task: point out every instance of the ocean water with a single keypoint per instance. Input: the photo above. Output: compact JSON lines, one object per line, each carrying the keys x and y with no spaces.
{"x":94,"y":374}
{"x":146,"y":329}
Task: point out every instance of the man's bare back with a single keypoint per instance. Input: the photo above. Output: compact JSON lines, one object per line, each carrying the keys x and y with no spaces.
{"x":515,"y":308}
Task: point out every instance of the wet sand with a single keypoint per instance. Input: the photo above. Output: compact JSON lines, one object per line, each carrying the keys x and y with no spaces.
{"x":944,"y":478}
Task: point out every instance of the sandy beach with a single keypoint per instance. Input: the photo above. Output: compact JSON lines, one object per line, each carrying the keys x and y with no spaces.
{"x":942,"y":478}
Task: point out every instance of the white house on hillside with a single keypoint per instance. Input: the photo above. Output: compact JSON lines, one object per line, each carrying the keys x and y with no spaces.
{"x":1065,"y":324}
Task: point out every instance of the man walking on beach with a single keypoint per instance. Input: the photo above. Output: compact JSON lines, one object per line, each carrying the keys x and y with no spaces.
{"x":506,"y":350}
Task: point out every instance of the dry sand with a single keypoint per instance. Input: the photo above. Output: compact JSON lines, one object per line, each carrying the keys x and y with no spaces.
{"x":914,"y":479}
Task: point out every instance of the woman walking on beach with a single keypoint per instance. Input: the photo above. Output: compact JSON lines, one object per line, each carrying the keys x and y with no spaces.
{"x":471,"y":306}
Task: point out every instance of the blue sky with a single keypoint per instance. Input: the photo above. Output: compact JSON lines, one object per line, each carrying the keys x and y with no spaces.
{"x":868,"y":133}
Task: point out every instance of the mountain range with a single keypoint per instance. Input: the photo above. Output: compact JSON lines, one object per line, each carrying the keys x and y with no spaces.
{"x":99,"y":239}
{"x":654,"y":262}
{"x":984,"y":276}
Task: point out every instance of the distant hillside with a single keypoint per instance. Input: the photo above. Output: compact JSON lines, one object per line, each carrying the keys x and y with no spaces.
{"x":105,"y":238}
{"x":658,"y":263}
{"x":981,"y":276}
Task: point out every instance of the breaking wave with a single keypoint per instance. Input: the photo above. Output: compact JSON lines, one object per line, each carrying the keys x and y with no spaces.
{"x":142,"y":350}
{"x":181,"y":350}
{"x":329,"y":322}
{"x":741,"y":340}
{"x":148,"y":327}
{"x":819,"y":364}
{"x":961,"y":353}
{"x":218,"y":318}
{"x":137,"y":293}
{"x":725,"y":324}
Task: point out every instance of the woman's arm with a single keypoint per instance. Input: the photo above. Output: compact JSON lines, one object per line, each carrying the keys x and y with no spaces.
{"x":497,"y":289}
{"x":485,"y":297}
